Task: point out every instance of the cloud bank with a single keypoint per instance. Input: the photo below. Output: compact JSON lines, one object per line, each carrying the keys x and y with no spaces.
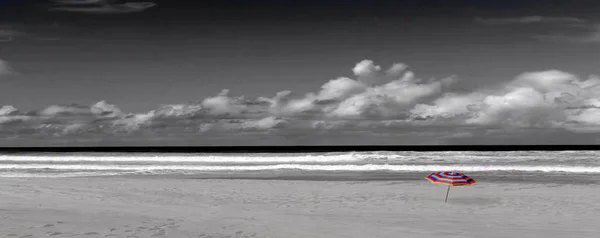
{"x":375,"y":102}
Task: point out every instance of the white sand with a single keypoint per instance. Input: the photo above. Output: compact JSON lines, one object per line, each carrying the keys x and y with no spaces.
{"x":151,"y":207}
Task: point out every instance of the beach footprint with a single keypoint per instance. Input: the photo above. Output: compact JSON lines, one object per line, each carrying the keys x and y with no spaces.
{"x":160,"y":233}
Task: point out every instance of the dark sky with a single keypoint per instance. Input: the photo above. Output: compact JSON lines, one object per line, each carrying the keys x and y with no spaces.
{"x":192,"y":49}
{"x":185,"y":51}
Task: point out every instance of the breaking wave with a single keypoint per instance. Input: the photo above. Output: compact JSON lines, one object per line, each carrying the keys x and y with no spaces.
{"x":90,"y":164}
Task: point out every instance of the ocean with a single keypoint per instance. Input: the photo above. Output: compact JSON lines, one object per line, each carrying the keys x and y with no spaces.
{"x":356,"y":164}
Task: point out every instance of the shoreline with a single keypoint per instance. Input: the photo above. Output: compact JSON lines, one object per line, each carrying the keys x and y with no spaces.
{"x":502,"y":177}
{"x":480,"y":177}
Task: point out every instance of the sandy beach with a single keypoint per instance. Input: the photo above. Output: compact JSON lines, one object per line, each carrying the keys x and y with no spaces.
{"x":183,"y":207}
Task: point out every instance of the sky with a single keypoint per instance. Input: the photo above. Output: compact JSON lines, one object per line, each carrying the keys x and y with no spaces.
{"x":328,"y":72}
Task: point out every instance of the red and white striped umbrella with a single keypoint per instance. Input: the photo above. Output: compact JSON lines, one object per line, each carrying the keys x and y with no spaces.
{"x":450,"y":179}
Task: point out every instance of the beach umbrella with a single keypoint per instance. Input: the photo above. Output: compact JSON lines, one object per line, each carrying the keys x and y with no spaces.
{"x":450,"y":179}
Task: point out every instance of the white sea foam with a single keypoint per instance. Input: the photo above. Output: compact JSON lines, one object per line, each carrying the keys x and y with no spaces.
{"x":315,"y":158}
{"x":194,"y":159}
{"x":90,"y":164}
{"x":367,"y":167}
{"x":57,"y":175}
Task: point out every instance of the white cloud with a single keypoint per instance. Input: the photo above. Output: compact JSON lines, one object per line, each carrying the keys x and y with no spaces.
{"x":449,"y":105}
{"x":133,"y":122}
{"x":546,"y":99}
{"x":367,"y":72}
{"x":264,"y":123}
{"x":397,"y":69}
{"x":74,"y":128}
{"x":178,"y":110}
{"x":392,"y":99}
{"x":103,"y":109}
{"x":223,"y":105}
{"x":10,"y":114}
{"x":366,"y":68}
{"x":339,"y":89}
{"x":8,"y":110}
{"x":354,"y":99}
{"x":56,"y":110}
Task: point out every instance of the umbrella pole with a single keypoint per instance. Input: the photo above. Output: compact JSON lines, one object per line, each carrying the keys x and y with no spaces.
{"x":448,"y":191}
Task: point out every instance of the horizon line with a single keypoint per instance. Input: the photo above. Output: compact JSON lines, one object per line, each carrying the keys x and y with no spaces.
{"x":296,"y":149}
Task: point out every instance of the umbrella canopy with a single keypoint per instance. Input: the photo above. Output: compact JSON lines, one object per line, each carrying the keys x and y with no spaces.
{"x":450,"y":179}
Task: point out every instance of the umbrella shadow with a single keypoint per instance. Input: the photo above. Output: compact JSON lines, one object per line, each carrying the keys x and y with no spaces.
{"x":474,"y":201}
